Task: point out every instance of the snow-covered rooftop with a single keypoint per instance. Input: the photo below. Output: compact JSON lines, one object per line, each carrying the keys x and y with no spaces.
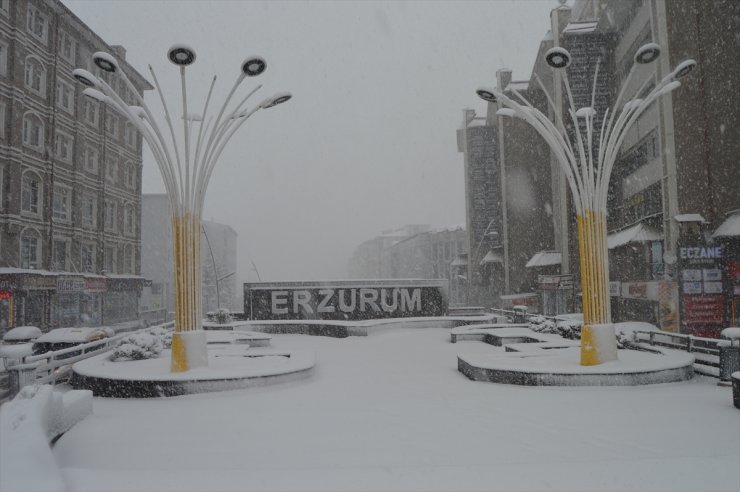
{"x":690,"y":218}
{"x":520,"y":85}
{"x":637,"y":233}
{"x":544,"y":258}
{"x":492,"y":257}
{"x":580,"y":27}
{"x":730,"y":227}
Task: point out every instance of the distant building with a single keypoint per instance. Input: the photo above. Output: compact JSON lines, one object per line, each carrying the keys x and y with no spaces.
{"x":416,"y":252}
{"x":218,"y":259}
{"x":70,"y":176}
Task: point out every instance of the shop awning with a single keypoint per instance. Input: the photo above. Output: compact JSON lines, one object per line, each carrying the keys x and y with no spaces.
{"x":460,"y":261}
{"x":492,"y":257}
{"x":635,"y":234}
{"x":544,"y":258}
{"x":730,"y":227}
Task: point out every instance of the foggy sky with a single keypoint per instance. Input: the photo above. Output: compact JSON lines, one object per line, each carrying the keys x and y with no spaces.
{"x":368,"y":141}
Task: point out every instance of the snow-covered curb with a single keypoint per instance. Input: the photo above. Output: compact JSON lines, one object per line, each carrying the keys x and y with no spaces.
{"x":28,"y":424}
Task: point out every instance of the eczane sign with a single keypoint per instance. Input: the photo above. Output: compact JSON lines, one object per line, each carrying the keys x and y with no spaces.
{"x":345,"y":300}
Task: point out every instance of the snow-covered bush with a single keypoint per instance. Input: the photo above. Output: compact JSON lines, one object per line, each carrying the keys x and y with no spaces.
{"x":137,"y":346}
{"x":569,"y":328}
{"x":223,"y":316}
{"x":164,"y":335}
{"x":540,"y":324}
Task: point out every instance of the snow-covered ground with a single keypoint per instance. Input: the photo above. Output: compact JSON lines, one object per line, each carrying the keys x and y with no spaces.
{"x":391,"y":412}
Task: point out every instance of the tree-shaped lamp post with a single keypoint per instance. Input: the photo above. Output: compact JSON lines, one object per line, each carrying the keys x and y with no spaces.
{"x":588,"y":175}
{"x":186,"y":165}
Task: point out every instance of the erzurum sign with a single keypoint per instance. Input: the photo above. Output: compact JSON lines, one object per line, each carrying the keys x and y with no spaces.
{"x":345,"y":300}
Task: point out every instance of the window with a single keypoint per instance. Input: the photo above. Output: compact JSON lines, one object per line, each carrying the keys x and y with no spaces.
{"x":36,"y":23}
{"x":60,"y":252}
{"x":2,"y":120}
{"x":110,"y":215}
{"x":30,"y":249}
{"x":65,"y":96}
{"x":63,"y":147}
{"x":128,"y":219}
{"x":130,"y":136}
{"x":111,"y":170}
{"x":35,"y":76}
{"x":33,"y":131}
{"x":67,"y":47}
{"x":91,"y":112}
{"x":3,"y":58}
{"x":87,"y":257}
{"x":111,"y":125}
{"x":2,"y":185}
{"x":31,"y":194}
{"x":62,"y":202}
{"x":89,"y":210}
{"x":110,"y":259}
{"x":4,"y":7}
{"x":128,"y":259}
{"x":130,"y":175}
{"x":91,"y":159}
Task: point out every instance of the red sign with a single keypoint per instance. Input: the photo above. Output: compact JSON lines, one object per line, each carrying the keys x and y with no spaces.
{"x":5,"y":295}
{"x":703,"y":315}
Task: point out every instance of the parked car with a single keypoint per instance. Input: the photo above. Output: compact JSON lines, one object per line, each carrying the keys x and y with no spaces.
{"x":18,"y":343}
{"x":61,"y":338}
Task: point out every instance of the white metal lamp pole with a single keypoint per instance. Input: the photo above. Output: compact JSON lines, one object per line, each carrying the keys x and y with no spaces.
{"x":588,"y":175}
{"x":186,"y":166}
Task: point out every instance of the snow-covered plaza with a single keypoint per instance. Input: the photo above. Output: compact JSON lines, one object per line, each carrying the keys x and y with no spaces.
{"x":390,"y":411}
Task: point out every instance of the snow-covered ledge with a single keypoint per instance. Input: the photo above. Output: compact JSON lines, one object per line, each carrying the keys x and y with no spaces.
{"x":28,"y":424}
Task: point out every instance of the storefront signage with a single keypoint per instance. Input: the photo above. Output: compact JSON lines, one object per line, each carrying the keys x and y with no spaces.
{"x":5,"y":295}
{"x":70,"y":284}
{"x":555,"y":282}
{"x":345,"y":300}
{"x":8,"y":283}
{"x":640,"y":290}
{"x":615,"y":288}
{"x":701,"y":288}
{"x":95,"y":285}
{"x":39,"y":282}
{"x":121,"y":284}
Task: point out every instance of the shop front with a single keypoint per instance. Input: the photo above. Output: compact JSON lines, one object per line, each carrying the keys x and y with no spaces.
{"x":32,"y":300}
{"x":8,"y":287}
{"x":121,"y":300}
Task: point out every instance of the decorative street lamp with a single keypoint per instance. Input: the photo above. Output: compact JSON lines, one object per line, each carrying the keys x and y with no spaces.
{"x":588,"y":175}
{"x":186,"y":172}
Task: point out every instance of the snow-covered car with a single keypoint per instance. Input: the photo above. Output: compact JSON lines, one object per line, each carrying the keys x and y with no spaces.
{"x":61,"y":338}
{"x":18,"y":343}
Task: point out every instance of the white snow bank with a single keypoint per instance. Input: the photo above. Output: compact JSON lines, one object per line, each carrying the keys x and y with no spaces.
{"x":22,"y":334}
{"x":36,"y":416}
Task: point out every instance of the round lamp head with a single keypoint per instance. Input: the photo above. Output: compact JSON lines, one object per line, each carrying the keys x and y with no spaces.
{"x":105,"y":61}
{"x":684,"y":68}
{"x":278,"y":98}
{"x":85,"y":78}
{"x":647,"y":53}
{"x":253,"y":66}
{"x":94,"y":94}
{"x":486,"y":94}
{"x":558,"y":57}
{"x":181,"y":55}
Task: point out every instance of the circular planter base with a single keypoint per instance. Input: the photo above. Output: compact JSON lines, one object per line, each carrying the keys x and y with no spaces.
{"x":562,"y":368}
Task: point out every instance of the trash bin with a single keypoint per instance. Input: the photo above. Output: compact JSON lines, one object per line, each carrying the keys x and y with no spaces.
{"x":729,"y":362}
{"x":520,"y":314}
{"x":736,"y":389}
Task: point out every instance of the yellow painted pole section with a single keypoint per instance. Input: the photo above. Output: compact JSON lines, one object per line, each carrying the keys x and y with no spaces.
{"x":593,"y":282}
{"x":186,"y":246}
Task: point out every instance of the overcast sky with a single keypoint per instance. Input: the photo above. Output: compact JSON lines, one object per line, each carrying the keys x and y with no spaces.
{"x":368,"y":141}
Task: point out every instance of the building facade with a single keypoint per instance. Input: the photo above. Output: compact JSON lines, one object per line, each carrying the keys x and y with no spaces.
{"x":70,"y":177}
{"x":673,"y":202}
{"x":218,"y":260}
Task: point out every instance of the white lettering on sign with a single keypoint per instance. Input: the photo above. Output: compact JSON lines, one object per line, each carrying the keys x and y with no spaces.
{"x":369,"y":297}
{"x":388,"y":308}
{"x":279,"y":298}
{"x":701,"y":253}
{"x":343,"y":306}
{"x":302,"y":298}
{"x":409,"y":302}
{"x":323,"y":307}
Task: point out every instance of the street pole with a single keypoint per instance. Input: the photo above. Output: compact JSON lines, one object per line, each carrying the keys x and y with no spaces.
{"x":588,"y":175}
{"x":186,"y":171}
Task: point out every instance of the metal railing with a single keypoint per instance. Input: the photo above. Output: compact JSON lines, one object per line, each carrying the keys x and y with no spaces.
{"x":705,"y":350}
{"x":55,"y":367}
